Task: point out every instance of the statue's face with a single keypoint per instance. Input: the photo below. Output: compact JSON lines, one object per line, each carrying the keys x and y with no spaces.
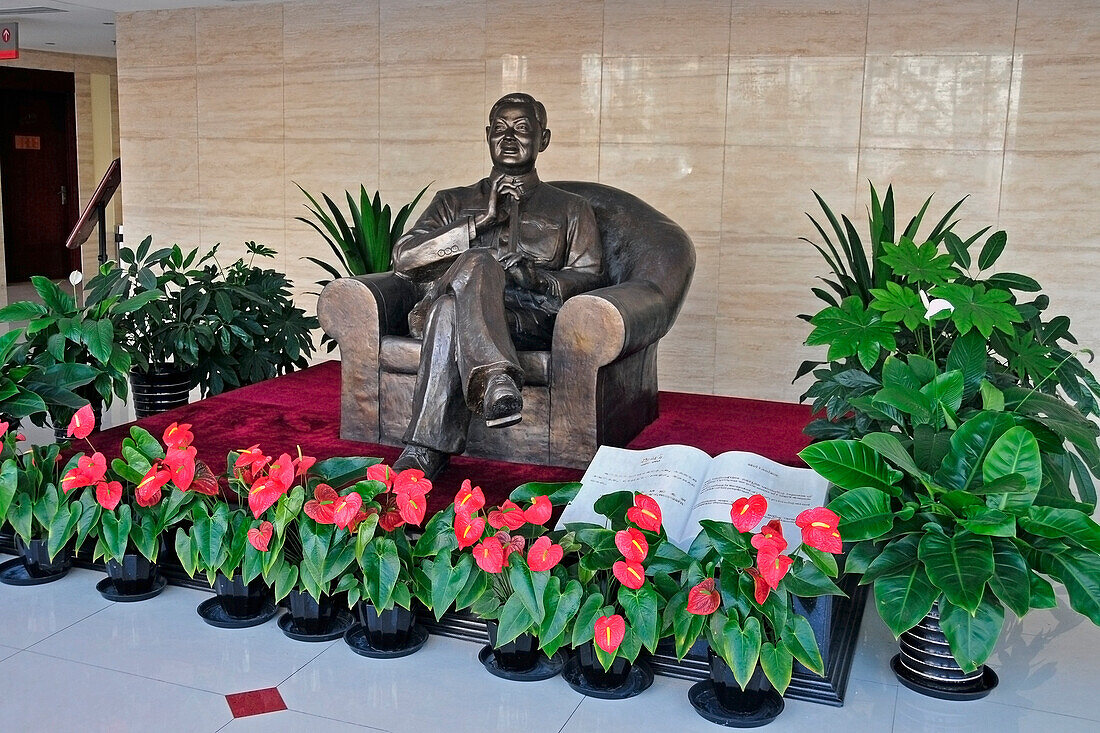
{"x":516,"y":138}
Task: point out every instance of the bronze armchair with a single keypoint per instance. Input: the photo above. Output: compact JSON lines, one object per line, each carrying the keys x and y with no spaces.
{"x":598,"y":383}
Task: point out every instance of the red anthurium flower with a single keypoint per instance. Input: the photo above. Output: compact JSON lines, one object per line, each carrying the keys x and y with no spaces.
{"x":251,"y":459}
{"x":489,"y":555}
{"x":260,"y":537}
{"x":773,"y":566}
{"x":148,"y":490}
{"x":630,"y":574}
{"x":609,"y":632}
{"x":704,"y":599}
{"x":302,"y":464}
{"x":411,"y":481}
{"x":181,"y":462}
{"x":510,"y":544}
{"x":282,"y":470}
{"x":3,"y":429}
{"x":89,"y":470}
{"x":539,"y":511}
{"x":82,"y":424}
{"x":469,"y":499}
{"x":322,"y":507}
{"x":746,"y":513}
{"x":205,"y":482}
{"x":770,"y":534}
{"x":819,"y":529}
{"x":178,"y":436}
{"x":509,"y":515}
{"x":468,"y":530}
{"x":382,"y":473}
{"x":346,"y":508}
{"x":544,"y":554}
{"x":108,"y":494}
{"x":265,"y":492}
{"x":760,"y":586}
{"x":645,"y":513}
{"x":359,"y":518}
{"x":632,"y":544}
{"x":411,"y":507}
{"x":391,"y":521}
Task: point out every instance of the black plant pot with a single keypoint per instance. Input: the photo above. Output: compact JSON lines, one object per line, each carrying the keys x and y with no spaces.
{"x":593,"y":673}
{"x":239,"y":599}
{"x":160,"y":389}
{"x":134,"y":576}
{"x":519,"y":655}
{"x":36,"y":559}
{"x":925,"y":664}
{"x":389,"y":630}
{"x":311,"y":617}
{"x":731,"y":695}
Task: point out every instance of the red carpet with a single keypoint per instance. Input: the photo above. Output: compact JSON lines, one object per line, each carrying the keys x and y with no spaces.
{"x":303,"y":408}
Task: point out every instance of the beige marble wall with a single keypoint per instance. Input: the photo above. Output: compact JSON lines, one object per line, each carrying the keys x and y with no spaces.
{"x":82,"y":67}
{"x":725,"y":114}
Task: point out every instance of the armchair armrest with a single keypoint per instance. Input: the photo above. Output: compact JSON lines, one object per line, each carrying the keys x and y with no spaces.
{"x":357,"y":312}
{"x":593,"y":330}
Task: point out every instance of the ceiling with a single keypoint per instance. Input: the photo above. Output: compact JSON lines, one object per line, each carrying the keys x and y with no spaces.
{"x":86,"y":27}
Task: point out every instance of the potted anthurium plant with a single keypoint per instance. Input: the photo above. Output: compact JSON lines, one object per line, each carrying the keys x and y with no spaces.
{"x":737,"y":589}
{"x":962,"y":448}
{"x":227,"y":544}
{"x":379,"y":582}
{"x":621,"y":608}
{"x":43,"y":517}
{"x":137,"y":498}
{"x":309,"y":543}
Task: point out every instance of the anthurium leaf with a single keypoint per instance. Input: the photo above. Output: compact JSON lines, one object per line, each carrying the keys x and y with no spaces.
{"x":590,"y":610}
{"x":476,"y":586}
{"x":62,"y":528}
{"x":515,"y":619}
{"x":148,"y":445}
{"x":528,"y":586}
{"x":448,"y":580}
{"x":1010,"y":580}
{"x":975,"y":307}
{"x":341,"y":471}
{"x":851,"y":330}
{"x":9,"y":481}
{"x":742,"y":644}
{"x":187,"y":558}
{"x":640,"y":609}
{"x":897,"y":303}
{"x":972,"y":637}
{"x":1057,"y":523}
{"x":896,"y":556}
{"x":560,"y":493}
{"x":824,"y":561}
{"x":89,"y":518}
{"x":778,"y":664}
{"x":806,"y":580}
{"x":969,"y":446}
{"x":561,"y":606}
{"x":209,"y":533}
{"x":904,"y":598}
{"x":864,"y":513}
{"x":1015,"y":452}
{"x":960,"y":565}
{"x":115,"y":531}
{"x":381,"y":568}
{"x":850,"y":465}
{"x":799,"y":640}
{"x":860,"y":556}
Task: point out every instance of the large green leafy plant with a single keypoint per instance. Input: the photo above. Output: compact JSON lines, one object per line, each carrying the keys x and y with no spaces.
{"x":963,"y":471}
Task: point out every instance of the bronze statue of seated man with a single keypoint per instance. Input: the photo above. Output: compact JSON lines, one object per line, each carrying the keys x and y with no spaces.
{"x":494,"y":262}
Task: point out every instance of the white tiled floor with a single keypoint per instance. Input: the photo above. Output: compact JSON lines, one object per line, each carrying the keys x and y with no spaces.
{"x":74,"y":662}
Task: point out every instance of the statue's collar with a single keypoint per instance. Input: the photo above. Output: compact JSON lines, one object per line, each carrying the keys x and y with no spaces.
{"x":527,"y":182}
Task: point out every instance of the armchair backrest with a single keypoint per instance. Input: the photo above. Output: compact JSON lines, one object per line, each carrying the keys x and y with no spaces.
{"x":640,"y":243}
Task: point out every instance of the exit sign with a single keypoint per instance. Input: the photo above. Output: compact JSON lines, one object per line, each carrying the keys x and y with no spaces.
{"x":9,"y":41}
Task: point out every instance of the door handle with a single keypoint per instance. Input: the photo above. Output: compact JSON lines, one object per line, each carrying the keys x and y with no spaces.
{"x":62,"y":195}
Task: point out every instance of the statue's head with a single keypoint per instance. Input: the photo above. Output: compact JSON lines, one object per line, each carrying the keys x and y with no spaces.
{"x":517,"y":133}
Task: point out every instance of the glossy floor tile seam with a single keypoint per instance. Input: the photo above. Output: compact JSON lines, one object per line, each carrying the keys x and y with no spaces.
{"x":578,"y":707}
{"x":322,"y":648}
{"x":69,"y":626}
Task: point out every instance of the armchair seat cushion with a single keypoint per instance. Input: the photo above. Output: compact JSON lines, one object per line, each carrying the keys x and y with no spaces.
{"x":401,"y":355}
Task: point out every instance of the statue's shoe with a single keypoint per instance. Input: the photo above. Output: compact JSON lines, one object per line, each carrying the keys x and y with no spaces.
{"x":430,"y":461}
{"x":503,"y":404}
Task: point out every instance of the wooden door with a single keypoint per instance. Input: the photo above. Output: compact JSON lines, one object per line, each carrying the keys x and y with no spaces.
{"x":38,"y":172}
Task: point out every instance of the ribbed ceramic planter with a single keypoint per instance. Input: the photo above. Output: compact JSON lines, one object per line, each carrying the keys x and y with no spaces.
{"x":160,"y":389}
{"x":925,"y":664}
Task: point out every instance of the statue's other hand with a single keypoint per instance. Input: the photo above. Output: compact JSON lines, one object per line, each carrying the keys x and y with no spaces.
{"x":522,"y":272}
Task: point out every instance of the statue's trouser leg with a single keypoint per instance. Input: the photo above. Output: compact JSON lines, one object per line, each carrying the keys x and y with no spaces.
{"x":466,"y":341}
